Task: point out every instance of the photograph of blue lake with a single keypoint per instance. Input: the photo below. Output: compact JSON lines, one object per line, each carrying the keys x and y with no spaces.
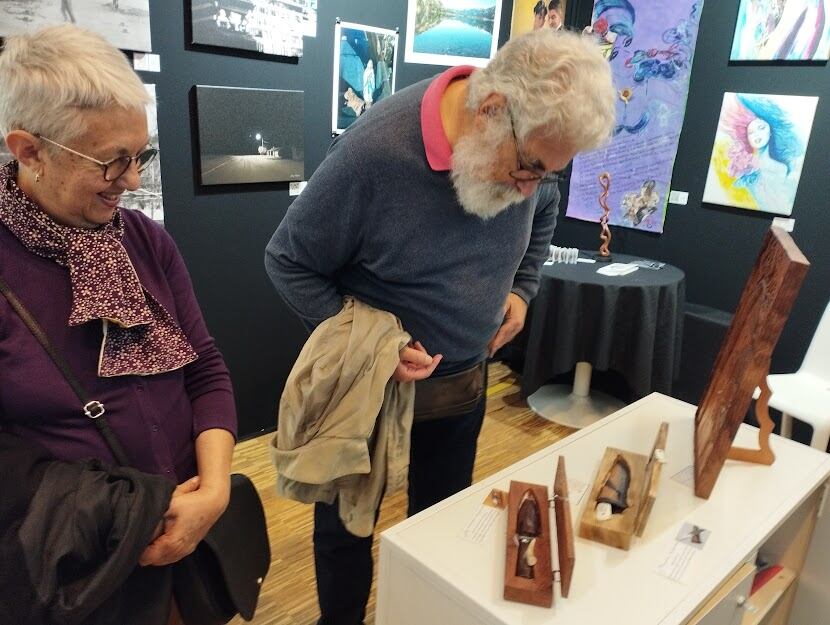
{"x":454,"y":27}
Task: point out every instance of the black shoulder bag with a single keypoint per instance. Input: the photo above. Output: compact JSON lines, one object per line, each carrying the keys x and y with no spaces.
{"x":223,"y":576}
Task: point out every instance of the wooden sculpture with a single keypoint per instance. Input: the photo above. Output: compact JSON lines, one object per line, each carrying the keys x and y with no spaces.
{"x":528,"y":575}
{"x":604,"y":255}
{"x":623,"y":494}
{"x":743,"y":361}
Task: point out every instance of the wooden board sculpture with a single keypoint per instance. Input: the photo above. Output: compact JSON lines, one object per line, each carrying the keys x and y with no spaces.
{"x":623,"y":494}
{"x":528,"y":576}
{"x":744,"y":358}
{"x":564,"y":528}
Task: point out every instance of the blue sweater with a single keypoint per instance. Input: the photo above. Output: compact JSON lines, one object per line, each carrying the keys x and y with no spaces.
{"x":376,"y":222}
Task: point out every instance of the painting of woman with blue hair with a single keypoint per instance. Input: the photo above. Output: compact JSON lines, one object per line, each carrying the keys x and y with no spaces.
{"x":759,"y":150}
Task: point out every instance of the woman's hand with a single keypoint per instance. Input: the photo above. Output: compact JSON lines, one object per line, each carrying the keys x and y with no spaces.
{"x":193,"y":511}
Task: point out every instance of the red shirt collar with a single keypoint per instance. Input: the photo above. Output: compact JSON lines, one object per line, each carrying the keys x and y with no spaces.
{"x":438,"y":149}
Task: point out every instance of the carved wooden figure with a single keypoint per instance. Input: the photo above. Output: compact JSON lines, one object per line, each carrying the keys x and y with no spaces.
{"x":605,"y":232}
{"x":626,"y":483}
{"x":743,"y":360}
{"x":528,"y":575}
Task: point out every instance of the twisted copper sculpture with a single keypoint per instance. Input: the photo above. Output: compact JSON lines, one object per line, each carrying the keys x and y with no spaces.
{"x":605,"y":235}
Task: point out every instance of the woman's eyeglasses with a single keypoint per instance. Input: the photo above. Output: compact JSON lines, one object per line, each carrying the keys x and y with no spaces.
{"x":526,"y":173}
{"x":114,"y":168}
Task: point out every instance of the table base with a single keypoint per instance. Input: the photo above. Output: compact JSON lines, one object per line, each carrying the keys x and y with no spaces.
{"x":558,"y":403}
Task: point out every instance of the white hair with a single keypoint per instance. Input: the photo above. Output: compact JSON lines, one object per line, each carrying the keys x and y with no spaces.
{"x":555,"y":81}
{"x":52,"y":76}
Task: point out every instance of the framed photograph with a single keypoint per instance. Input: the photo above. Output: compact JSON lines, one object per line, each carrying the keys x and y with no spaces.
{"x":759,"y":151}
{"x":531,"y":15}
{"x":274,"y":27}
{"x":365,"y":65}
{"x":125,"y":23}
{"x":782,"y":30}
{"x":250,"y":135}
{"x":452,"y":32}
{"x":148,"y":198}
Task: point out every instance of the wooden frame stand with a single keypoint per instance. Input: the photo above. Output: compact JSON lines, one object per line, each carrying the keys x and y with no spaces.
{"x":528,"y":574}
{"x":644,"y":477}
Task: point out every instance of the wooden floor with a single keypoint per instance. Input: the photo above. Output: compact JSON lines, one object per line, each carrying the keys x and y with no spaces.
{"x":510,"y":432}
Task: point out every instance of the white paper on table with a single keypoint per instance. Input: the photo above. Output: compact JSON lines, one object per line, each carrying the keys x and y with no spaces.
{"x":617,"y":269}
{"x":479,"y":526}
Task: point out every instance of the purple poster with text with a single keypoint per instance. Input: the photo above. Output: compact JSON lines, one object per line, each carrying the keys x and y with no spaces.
{"x":650,"y":45}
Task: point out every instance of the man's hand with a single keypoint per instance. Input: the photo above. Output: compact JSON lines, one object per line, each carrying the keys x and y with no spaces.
{"x":192,"y":512}
{"x":515,"y":311}
{"x":415,"y":363}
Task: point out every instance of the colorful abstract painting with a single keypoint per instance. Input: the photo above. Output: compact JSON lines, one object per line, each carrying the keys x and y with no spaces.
{"x":759,"y":150}
{"x":531,"y":15}
{"x":364,"y":71}
{"x":650,"y":45}
{"x":782,"y":30}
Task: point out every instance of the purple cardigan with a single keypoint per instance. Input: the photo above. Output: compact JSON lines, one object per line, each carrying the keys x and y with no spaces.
{"x":156,"y":417}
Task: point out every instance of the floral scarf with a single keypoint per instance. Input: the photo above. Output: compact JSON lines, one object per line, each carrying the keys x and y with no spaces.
{"x":140,"y":336}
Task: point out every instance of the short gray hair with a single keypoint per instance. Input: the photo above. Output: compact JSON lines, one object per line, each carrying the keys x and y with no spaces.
{"x":556,"y":81}
{"x":49,"y":77}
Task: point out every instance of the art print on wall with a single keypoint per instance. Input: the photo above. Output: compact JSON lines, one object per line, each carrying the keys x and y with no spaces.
{"x":452,"y":32}
{"x":250,"y":135}
{"x":759,"y":151}
{"x":364,"y":71}
{"x":782,"y":30}
{"x":124,"y":23}
{"x":266,"y":26}
{"x":529,"y":15}
{"x":650,"y":45}
{"x":148,"y":197}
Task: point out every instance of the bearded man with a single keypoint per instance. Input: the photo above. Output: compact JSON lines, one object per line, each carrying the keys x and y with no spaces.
{"x":438,"y":205}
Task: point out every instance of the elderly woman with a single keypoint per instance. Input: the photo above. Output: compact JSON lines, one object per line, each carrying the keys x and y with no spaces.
{"x":111,"y":291}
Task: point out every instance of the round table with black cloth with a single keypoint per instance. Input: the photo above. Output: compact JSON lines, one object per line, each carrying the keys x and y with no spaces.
{"x":630,"y":324}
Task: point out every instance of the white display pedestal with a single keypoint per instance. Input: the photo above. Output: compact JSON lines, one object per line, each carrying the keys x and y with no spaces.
{"x":576,"y":407}
{"x":430,"y":574}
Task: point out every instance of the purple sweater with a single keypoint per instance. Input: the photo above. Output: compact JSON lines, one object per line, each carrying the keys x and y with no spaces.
{"x":156,"y":417}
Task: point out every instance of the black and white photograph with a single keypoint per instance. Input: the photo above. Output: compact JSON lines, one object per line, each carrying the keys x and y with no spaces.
{"x":250,"y":135}
{"x":125,"y":23}
{"x":364,"y":70}
{"x":148,"y":198}
{"x":266,"y":26}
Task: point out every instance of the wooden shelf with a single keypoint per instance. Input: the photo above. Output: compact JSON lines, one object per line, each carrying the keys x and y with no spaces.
{"x":763,"y":601}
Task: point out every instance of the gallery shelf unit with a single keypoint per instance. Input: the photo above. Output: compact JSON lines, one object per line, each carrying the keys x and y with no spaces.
{"x":429,"y":573}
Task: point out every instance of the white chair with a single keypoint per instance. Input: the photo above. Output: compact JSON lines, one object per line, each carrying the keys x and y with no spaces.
{"x":805,"y":394}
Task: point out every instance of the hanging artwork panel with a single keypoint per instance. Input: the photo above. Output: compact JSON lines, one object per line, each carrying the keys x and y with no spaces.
{"x":250,"y":135}
{"x":267,"y":26}
{"x":782,"y":30}
{"x":759,"y":151}
{"x":148,"y":197}
{"x":452,"y":32}
{"x":531,"y":15}
{"x":365,"y":67}
{"x":650,"y":45}
{"x":124,"y":23}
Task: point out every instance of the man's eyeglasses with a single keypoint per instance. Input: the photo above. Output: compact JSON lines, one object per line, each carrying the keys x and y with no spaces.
{"x":114,"y":168}
{"x":526,"y":173}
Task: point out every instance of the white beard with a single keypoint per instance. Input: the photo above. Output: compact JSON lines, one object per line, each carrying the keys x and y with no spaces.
{"x":472,"y":157}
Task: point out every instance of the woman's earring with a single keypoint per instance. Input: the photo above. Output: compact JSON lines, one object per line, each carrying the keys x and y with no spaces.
{"x":37,"y":177}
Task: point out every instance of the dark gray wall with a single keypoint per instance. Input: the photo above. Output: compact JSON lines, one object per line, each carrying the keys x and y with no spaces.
{"x":222,"y":232}
{"x":716,"y":246}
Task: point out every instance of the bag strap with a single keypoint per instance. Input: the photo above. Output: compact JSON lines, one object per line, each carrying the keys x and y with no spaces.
{"x":92,"y":408}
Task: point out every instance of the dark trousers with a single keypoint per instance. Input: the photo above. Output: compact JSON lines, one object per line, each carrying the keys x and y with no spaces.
{"x":440,"y":464}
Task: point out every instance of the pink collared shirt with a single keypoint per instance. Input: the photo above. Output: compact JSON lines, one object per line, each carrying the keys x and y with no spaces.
{"x":438,"y":148}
